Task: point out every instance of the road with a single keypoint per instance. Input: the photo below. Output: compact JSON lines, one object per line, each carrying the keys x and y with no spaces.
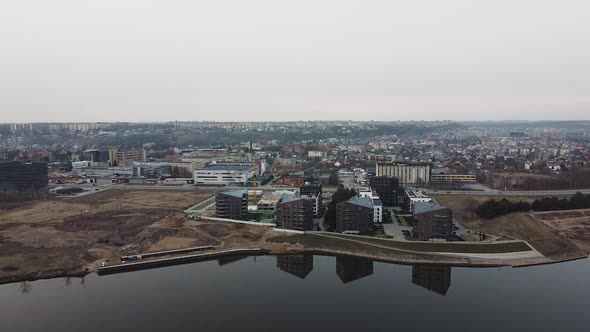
{"x":507,"y":193}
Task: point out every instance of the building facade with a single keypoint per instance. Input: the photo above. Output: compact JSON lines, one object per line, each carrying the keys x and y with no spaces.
{"x":452,"y":178}
{"x":314,"y":192}
{"x":16,"y":176}
{"x":225,"y":173}
{"x":354,"y":215}
{"x":432,"y":221}
{"x":387,"y":188}
{"x":126,"y":157}
{"x":407,"y":174}
{"x":296,"y":213}
{"x":232,"y":205}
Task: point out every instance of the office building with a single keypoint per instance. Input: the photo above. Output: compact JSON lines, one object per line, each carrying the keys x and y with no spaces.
{"x":126,"y":157}
{"x":354,"y":216}
{"x":16,"y":176}
{"x":225,"y":173}
{"x":97,"y":156}
{"x":387,"y":188}
{"x":232,"y":205}
{"x":452,"y":178}
{"x":295,"y":212}
{"x":407,"y":174}
{"x":432,"y":221}
{"x":314,"y":192}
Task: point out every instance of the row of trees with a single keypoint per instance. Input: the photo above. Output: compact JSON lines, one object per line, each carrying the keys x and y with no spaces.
{"x":493,"y":208}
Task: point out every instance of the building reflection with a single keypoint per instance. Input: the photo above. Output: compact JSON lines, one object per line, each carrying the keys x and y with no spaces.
{"x":436,"y":278}
{"x":229,"y":260}
{"x":297,"y":265}
{"x":353,"y":268}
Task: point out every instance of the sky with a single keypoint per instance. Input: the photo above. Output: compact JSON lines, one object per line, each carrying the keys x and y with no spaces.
{"x":236,"y":60}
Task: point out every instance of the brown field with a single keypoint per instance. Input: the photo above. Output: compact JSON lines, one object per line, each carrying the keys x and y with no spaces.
{"x":68,"y":236}
{"x":515,"y":225}
{"x":572,"y":224}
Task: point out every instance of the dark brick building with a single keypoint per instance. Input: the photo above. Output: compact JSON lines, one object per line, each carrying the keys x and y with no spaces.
{"x":432,"y":221}
{"x":387,"y":189}
{"x":354,"y":215}
{"x":296,"y":213}
{"x":232,"y":205}
{"x":16,"y":176}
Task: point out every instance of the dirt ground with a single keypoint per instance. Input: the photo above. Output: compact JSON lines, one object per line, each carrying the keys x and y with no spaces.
{"x":521,"y":226}
{"x":72,"y":236}
{"x":571,"y":224}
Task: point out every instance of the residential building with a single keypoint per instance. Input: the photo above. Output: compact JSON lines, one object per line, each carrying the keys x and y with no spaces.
{"x":314,"y":192}
{"x":16,"y":176}
{"x":432,"y":221}
{"x":225,"y":173}
{"x":232,"y":205}
{"x":412,"y":196}
{"x":295,"y":213}
{"x":355,"y":215}
{"x":387,"y":188}
{"x":408,"y":174}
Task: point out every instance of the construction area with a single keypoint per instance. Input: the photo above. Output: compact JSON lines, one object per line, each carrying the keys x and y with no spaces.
{"x":558,"y":235}
{"x":74,"y":235}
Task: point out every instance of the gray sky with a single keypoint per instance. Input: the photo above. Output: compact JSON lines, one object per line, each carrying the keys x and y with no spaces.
{"x":144,"y":60}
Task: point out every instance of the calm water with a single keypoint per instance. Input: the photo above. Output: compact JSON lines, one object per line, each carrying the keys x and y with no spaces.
{"x":306,"y":293}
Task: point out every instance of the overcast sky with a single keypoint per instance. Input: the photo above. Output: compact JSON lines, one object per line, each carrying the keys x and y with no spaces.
{"x":144,"y":60}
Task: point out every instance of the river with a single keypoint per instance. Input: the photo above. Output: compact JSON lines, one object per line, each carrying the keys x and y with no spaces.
{"x":306,"y":293}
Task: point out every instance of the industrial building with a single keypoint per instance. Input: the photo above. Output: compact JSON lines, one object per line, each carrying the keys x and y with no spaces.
{"x":296,"y":212}
{"x":432,"y":221}
{"x":387,"y":189}
{"x":355,"y":216}
{"x":126,"y":157}
{"x":314,"y":192}
{"x":232,"y":204}
{"x":407,"y":174}
{"x":16,"y":176}
{"x":225,"y":173}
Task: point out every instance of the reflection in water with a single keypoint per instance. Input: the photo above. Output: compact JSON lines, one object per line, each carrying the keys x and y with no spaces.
{"x":353,"y":268}
{"x":436,"y":278}
{"x":229,"y":260}
{"x":297,"y":265}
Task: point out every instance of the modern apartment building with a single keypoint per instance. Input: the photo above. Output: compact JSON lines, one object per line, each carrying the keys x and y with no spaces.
{"x":355,"y":215}
{"x":296,"y":212}
{"x":387,"y":188}
{"x":314,"y":192}
{"x":432,"y":221}
{"x":16,"y":176}
{"x":232,"y":204}
{"x":407,"y":174}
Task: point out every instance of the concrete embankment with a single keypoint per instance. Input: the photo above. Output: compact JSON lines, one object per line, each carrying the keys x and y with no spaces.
{"x":150,"y":264}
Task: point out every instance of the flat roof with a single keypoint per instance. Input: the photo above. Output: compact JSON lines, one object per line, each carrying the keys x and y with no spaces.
{"x":226,"y":168}
{"x":236,"y":193}
{"x":421,"y":207}
{"x":362,"y":201}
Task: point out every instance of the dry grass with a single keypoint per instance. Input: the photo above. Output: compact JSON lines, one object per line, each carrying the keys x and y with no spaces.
{"x":515,"y":225}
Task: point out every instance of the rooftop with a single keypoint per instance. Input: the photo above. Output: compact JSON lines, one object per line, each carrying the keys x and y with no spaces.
{"x":236,"y":193}
{"x":422,"y":207}
{"x":362,"y":201}
{"x":226,"y":168}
